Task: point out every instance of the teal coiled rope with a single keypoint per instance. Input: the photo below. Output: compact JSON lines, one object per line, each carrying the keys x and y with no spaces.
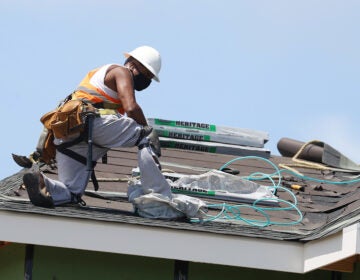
{"x":233,"y":212}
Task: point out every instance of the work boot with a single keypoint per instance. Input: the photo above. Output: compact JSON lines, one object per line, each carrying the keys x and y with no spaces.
{"x":22,"y":161}
{"x":36,"y":189}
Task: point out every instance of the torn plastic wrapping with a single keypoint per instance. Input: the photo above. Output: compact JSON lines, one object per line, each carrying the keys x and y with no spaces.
{"x":222,"y":182}
{"x":157,"y":206}
{"x":217,"y":180}
{"x":152,"y":197}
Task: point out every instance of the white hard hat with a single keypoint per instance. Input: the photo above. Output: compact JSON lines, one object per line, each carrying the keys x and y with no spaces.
{"x":149,"y":57}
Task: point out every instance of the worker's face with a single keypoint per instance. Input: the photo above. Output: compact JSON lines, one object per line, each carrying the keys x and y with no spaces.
{"x":143,"y":70}
{"x":143,"y":77}
{"x":141,"y":82}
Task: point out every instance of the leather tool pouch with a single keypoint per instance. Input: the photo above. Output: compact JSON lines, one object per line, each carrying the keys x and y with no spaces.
{"x":45,"y":148}
{"x":68,"y":119}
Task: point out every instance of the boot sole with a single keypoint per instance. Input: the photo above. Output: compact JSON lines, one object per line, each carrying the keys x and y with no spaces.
{"x":31,"y":182}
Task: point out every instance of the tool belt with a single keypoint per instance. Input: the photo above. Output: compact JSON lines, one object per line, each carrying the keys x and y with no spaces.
{"x":103,"y":112}
{"x":68,"y":119}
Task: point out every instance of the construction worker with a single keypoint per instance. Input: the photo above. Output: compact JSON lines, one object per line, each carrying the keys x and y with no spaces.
{"x":110,"y":88}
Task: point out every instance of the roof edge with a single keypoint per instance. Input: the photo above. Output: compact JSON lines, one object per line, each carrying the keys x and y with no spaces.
{"x":334,"y":248}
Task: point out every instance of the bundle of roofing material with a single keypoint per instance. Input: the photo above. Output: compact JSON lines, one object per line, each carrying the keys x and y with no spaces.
{"x":220,"y":185}
{"x":316,"y":151}
{"x":211,"y":147}
{"x":215,"y":184}
{"x":210,"y":138}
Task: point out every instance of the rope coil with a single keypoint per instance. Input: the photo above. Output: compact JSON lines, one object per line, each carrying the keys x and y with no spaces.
{"x":233,"y":212}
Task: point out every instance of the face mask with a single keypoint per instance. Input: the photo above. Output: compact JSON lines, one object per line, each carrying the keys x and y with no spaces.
{"x":141,"y":82}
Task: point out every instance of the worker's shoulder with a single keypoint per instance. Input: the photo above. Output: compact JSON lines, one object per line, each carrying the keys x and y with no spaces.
{"x":116,"y":68}
{"x":118,"y":71}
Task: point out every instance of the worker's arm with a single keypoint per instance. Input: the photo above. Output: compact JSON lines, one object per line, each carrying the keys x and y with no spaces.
{"x":120,"y":80}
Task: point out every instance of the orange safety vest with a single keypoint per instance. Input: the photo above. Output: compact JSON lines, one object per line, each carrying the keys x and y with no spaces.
{"x":96,"y":96}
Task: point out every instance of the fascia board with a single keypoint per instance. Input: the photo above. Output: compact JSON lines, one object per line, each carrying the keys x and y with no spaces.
{"x":84,"y":234}
{"x":334,"y":248}
{"x":157,"y":242}
{"x":358,"y":240}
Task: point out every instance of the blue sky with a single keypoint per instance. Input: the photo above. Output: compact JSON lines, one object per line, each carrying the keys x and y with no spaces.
{"x":289,"y":68}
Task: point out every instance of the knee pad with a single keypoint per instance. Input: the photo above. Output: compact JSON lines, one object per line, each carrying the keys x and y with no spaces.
{"x":145,"y":131}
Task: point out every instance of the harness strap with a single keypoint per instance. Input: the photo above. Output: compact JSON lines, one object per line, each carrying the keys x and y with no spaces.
{"x":142,"y":146}
{"x":106,"y":105}
{"x":64,"y":149}
{"x":76,"y":198}
{"x":70,"y":143}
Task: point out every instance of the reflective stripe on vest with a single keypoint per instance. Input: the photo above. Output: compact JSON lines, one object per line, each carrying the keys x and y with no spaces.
{"x":94,"y":95}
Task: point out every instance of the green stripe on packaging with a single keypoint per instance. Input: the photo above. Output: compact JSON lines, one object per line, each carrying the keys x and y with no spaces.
{"x":185,"y":136}
{"x":187,"y":146}
{"x":184,"y":124}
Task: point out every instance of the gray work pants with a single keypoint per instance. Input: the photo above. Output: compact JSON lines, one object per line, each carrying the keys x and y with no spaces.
{"x":109,"y":131}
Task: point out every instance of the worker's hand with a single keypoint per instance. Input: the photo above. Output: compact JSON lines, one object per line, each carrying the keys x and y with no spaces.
{"x":155,"y":142}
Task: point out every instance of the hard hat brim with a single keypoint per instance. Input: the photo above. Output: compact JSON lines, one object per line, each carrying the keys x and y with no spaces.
{"x":148,"y":67}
